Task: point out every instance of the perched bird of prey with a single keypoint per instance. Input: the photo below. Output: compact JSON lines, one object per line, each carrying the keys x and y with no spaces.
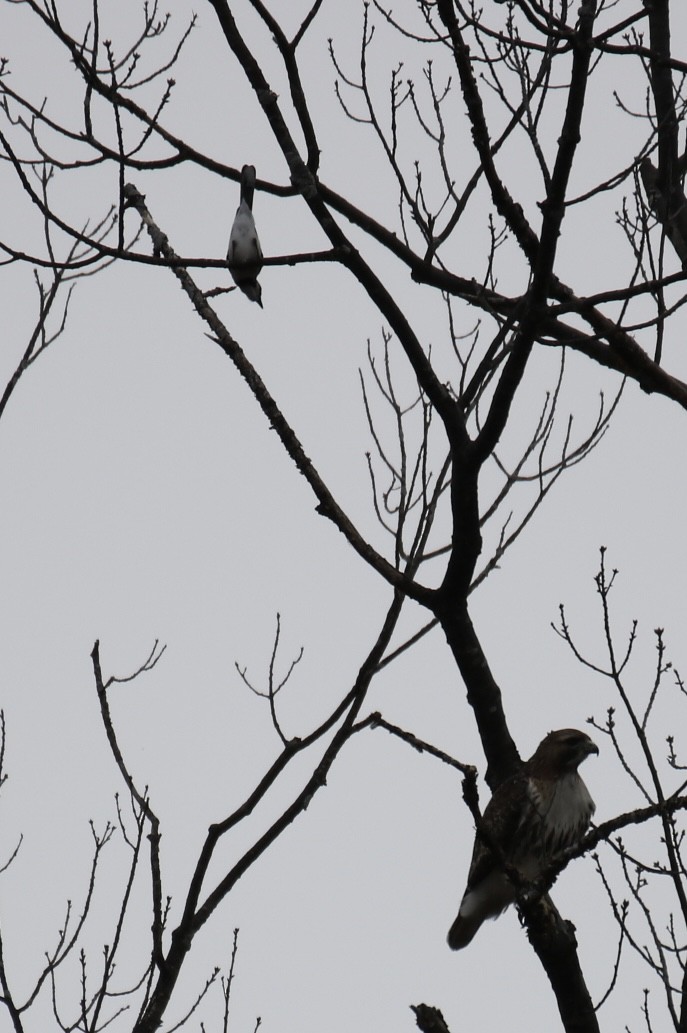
{"x":244,"y":255}
{"x":531,"y":818}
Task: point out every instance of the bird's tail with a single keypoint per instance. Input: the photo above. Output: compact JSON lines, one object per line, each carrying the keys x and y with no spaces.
{"x":248,"y":184}
{"x":462,"y":931}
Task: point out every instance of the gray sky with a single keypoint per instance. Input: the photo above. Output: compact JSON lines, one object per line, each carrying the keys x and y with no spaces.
{"x":145,"y":497}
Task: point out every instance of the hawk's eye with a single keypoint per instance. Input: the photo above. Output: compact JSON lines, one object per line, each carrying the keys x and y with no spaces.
{"x":572,"y":743}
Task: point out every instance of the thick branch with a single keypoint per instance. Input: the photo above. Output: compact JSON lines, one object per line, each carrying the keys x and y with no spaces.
{"x":658,"y":12}
{"x":554,"y":943}
{"x":484,"y":694}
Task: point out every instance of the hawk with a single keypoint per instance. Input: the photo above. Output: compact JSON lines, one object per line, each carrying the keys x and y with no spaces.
{"x":531,"y":818}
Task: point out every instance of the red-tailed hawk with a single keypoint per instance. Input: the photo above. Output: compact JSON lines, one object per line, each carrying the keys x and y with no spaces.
{"x":532,"y":817}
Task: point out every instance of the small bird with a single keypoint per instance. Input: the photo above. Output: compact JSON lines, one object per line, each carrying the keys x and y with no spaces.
{"x":532,"y":818}
{"x":244,"y":255}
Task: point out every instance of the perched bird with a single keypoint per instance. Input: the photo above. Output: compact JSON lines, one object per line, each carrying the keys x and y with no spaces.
{"x":244,"y":255}
{"x":531,"y":818}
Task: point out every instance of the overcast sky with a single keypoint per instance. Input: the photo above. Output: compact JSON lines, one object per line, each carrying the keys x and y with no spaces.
{"x":145,"y":498}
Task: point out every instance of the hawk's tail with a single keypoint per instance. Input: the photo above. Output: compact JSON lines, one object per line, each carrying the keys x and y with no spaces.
{"x":462,"y":931}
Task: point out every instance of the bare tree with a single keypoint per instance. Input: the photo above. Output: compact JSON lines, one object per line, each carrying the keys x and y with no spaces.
{"x":486,"y":152}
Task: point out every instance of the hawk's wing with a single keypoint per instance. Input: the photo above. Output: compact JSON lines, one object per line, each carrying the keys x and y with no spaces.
{"x":505,"y":819}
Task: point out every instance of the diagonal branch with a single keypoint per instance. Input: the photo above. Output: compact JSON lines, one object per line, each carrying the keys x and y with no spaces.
{"x":327,"y":506}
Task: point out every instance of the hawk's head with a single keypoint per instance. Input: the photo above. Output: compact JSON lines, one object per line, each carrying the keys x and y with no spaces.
{"x":560,"y":752}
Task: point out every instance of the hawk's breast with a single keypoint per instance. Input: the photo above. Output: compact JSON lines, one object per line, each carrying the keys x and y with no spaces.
{"x":563,"y":809}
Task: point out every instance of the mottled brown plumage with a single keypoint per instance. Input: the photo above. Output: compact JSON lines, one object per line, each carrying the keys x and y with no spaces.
{"x":531,"y":818}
